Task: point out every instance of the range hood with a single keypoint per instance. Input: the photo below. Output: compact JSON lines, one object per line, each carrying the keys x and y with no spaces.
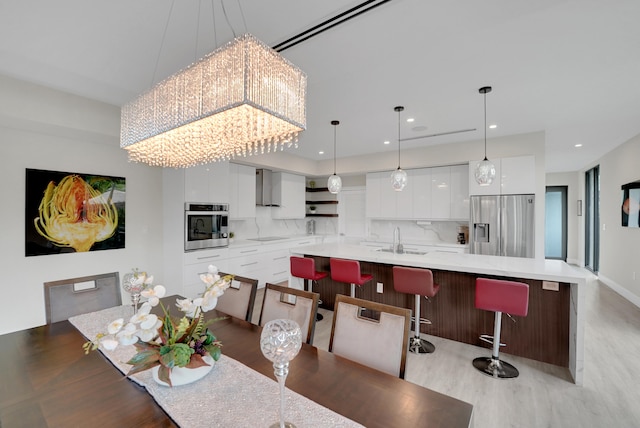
{"x":264,"y":185}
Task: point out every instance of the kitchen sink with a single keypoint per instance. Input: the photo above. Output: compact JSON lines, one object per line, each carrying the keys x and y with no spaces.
{"x":413,"y":252}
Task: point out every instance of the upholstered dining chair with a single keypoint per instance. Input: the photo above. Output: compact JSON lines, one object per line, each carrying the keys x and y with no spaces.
{"x":75,"y":296}
{"x":291,"y":303}
{"x":238,"y":300}
{"x":371,"y":333}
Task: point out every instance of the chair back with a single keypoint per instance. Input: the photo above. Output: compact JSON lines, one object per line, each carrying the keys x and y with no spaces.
{"x":498,"y":295}
{"x":302,"y":267}
{"x":238,"y":300}
{"x":291,"y":303}
{"x":412,"y":280}
{"x":347,"y":271}
{"x":75,"y":296}
{"x":380,"y":344}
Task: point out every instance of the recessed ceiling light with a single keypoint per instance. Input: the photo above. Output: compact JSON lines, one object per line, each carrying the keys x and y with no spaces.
{"x":578,"y":145}
{"x":410,"y":120}
{"x":493,"y":126}
{"x":321,"y":153}
{"x":387,"y":142}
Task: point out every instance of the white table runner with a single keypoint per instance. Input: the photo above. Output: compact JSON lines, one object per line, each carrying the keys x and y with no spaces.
{"x":231,"y":395}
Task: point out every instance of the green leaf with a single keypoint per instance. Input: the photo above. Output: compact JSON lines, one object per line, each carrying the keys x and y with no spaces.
{"x":164,"y":374}
{"x":144,"y":357}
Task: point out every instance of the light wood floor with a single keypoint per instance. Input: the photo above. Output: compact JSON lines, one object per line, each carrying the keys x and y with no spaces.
{"x":543,"y":395}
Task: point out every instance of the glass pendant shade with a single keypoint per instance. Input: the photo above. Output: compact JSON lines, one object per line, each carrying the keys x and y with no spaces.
{"x":334,"y":184}
{"x":398,"y":179}
{"x":485,"y":172}
{"x":243,"y":98}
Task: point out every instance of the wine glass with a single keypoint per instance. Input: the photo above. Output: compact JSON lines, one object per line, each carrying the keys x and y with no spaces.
{"x":280,"y":342}
{"x":130,"y":286}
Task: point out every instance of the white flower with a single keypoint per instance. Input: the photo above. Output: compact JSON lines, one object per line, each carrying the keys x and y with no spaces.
{"x":213,"y":270}
{"x":109,"y":344}
{"x":115,"y":326}
{"x":146,"y":321}
{"x":148,"y":280}
{"x":209,"y":302}
{"x":154,"y":294}
{"x":127,"y":336}
{"x":147,"y":334}
{"x":186,"y":306}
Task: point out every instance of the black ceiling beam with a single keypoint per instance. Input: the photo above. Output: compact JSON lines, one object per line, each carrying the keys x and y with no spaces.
{"x":329,"y":23}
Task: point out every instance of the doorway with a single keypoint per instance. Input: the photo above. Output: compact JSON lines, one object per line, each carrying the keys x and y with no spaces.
{"x":592,"y":219}
{"x":555,"y":239}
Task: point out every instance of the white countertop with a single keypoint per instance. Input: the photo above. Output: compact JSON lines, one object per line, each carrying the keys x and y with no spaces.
{"x":515,"y":267}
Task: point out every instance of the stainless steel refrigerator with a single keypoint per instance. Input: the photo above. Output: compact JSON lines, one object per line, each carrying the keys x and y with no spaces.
{"x":502,"y":225}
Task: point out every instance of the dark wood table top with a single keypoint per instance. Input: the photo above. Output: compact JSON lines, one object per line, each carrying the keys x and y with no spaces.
{"x":47,"y":380}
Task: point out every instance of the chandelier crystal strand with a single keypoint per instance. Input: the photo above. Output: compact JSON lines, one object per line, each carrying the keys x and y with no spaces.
{"x":232,"y":103}
{"x":334,"y":183}
{"x":485,"y":170}
{"x":398,"y":177}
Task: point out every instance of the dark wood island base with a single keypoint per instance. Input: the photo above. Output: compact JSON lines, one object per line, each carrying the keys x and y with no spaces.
{"x":543,"y":335}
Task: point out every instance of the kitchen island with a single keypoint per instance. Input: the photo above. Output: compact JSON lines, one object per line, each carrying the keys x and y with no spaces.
{"x":552,"y":332}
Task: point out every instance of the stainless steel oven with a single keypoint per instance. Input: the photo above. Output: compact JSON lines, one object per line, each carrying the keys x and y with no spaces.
{"x":205,"y":225}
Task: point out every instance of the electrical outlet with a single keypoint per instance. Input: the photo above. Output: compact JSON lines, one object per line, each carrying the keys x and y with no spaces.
{"x":380,"y":288}
{"x":550,"y":285}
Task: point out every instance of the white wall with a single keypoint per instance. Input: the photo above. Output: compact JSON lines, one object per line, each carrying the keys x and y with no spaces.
{"x":45,"y":129}
{"x":619,"y":246}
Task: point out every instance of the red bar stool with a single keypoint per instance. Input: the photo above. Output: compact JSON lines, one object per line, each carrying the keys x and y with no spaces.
{"x":305,"y":268}
{"x":348,"y":271}
{"x":499,"y":296}
{"x":418,"y":282}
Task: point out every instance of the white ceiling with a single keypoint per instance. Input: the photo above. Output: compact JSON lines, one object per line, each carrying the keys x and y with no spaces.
{"x":570,"y":68}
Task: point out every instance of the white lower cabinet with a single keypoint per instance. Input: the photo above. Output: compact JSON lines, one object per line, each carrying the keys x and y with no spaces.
{"x":196,"y":263}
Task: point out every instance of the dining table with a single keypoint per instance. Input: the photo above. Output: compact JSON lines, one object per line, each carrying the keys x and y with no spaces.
{"x":48,"y":381}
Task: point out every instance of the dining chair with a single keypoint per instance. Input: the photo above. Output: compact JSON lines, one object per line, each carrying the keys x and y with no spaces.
{"x":291,"y":303}
{"x":69,"y":297}
{"x":376,"y":337}
{"x":238,"y":300}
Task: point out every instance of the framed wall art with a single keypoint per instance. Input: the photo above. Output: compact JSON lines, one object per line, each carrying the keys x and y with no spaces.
{"x":69,"y":212}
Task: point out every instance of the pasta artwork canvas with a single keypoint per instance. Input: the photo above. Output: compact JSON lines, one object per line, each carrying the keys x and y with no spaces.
{"x":73,"y":212}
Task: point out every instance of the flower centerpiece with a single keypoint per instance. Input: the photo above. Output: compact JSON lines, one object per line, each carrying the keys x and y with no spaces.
{"x":167,"y":342}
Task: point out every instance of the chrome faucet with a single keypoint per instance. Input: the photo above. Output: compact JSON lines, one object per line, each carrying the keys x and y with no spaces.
{"x":397,"y":241}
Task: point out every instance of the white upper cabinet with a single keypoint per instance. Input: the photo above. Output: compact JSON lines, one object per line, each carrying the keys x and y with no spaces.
{"x":207,"y":183}
{"x":518,"y":175}
{"x":440,"y":193}
{"x":459,"y":192}
{"x":373,"y":198}
{"x":242,"y":197}
{"x":288,"y":192}
{"x":514,"y":176}
{"x":420,"y":180}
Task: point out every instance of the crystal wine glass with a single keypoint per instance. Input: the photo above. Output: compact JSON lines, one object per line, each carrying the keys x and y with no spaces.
{"x":280,"y":342}
{"x":130,"y":286}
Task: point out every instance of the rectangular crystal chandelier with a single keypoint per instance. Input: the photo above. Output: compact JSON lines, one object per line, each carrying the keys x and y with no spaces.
{"x":243,"y":98}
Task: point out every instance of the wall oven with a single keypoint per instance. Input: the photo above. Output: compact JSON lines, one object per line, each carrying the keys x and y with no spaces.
{"x":205,"y":225}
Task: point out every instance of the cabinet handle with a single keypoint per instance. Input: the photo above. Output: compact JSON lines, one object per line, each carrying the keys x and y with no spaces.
{"x":208,"y":257}
{"x":281,"y":273}
{"x":249,"y":251}
{"x":305,"y":242}
{"x":280,"y":258}
{"x":249,"y":264}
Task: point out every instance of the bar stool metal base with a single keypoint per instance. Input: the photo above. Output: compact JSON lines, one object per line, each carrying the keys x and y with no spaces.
{"x":418,"y":345}
{"x":494,"y":367}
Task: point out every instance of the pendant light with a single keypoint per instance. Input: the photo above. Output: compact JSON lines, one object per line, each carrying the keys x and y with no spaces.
{"x":335,"y":182}
{"x":398,"y":177}
{"x":485,"y":170}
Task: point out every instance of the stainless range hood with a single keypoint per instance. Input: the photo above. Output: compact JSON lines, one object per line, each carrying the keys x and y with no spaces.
{"x":264,"y":184}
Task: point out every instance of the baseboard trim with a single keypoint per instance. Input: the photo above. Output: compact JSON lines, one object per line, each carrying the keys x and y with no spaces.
{"x":620,"y":290}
